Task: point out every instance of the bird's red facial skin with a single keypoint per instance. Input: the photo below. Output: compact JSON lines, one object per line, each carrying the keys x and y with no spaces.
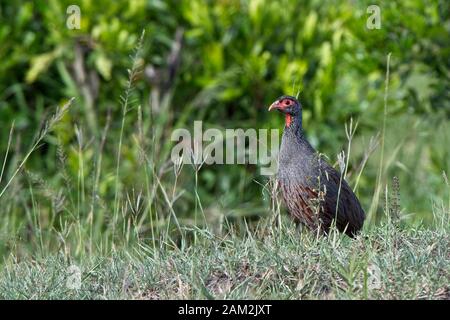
{"x":286,"y":103}
{"x":281,"y":105}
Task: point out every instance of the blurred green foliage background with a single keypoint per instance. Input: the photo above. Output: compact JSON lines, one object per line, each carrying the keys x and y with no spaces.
{"x":236,"y":57}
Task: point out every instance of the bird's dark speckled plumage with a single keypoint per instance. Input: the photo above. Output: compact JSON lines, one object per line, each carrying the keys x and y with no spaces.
{"x":309,"y":185}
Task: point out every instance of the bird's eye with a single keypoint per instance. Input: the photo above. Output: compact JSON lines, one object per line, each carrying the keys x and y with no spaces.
{"x":287,"y":102}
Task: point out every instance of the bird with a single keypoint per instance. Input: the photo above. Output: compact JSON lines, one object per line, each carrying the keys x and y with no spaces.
{"x":315,"y":194}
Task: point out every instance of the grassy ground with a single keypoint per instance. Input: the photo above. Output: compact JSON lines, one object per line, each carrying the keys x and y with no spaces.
{"x":386,"y":262}
{"x":126,"y":229}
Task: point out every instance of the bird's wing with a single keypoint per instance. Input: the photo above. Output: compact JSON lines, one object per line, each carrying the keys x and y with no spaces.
{"x":349,"y":213}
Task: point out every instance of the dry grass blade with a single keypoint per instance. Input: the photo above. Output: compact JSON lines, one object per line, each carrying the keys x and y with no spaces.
{"x":48,"y":126}
{"x":7,"y":151}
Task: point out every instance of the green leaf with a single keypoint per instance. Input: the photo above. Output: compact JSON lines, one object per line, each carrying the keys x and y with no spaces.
{"x":41,"y":63}
{"x":104,"y":66}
